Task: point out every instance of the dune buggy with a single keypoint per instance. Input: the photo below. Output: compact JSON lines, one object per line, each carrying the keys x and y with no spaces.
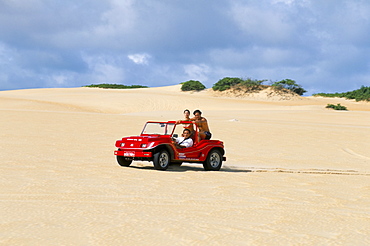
{"x":155,"y":145}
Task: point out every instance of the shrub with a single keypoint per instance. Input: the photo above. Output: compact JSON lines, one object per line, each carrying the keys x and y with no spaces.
{"x":362,"y":94}
{"x":116,"y":86}
{"x":249,"y":85}
{"x":252,"y":82}
{"x":192,"y":85}
{"x":226,"y":83}
{"x":336,"y":107}
{"x":290,"y":85}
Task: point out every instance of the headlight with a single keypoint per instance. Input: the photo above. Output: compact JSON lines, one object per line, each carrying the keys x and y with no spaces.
{"x":147,"y":145}
{"x":122,"y":144}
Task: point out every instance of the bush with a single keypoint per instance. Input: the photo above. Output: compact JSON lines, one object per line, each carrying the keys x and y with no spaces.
{"x":192,"y":85}
{"x":252,"y":82}
{"x":226,"y":83}
{"x":116,"y":86}
{"x":362,"y":94}
{"x":290,"y":85}
{"x":255,"y":85}
{"x":336,"y":107}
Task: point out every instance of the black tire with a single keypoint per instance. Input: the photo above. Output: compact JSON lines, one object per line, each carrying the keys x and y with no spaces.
{"x":213,"y":161}
{"x":124,"y":161}
{"x":161,"y":160}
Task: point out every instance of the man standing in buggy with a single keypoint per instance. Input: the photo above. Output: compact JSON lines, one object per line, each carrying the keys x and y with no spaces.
{"x":201,"y":122}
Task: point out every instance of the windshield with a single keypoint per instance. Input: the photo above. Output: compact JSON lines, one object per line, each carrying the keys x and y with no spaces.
{"x":180,"y":129}
{"x":155,"y":128}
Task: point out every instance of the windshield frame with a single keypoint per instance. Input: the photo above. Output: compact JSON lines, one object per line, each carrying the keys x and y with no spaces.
{"x":158,"y":128}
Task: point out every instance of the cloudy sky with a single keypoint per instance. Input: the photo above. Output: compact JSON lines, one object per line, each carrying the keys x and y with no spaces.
{"x":324,"y":45}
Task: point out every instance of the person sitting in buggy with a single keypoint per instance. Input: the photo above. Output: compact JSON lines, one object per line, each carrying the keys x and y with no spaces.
{"x":185,"y":141}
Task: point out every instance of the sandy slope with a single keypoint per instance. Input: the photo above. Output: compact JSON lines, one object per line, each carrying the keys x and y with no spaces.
{"x":296,"y":172}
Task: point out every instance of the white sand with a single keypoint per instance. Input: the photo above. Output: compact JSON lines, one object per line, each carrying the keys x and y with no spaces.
{"x":296,"y":173}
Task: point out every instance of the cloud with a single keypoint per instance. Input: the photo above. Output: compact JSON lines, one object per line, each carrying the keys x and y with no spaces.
{"x":197,"y":72}
{"x":142,"y":58}
{"x":322,"y":45}
{"x":288,"y":2}
{"x":104,"y":69}
{"x":262,"y":26}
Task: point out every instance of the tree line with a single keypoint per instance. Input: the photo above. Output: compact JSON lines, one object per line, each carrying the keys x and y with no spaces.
{"x":252,"y":85}
{"x":362,"y":94}
{"x":116,"y":86}
{"x":248,"y":84}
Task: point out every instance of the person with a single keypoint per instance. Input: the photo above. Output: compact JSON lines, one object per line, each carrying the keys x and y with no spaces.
{"x":187,"y":118}
{"x":185,"y":141}
{"x":201,"y":122}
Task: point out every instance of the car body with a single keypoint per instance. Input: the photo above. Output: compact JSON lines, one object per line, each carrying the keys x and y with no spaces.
{"x":155,"y":144}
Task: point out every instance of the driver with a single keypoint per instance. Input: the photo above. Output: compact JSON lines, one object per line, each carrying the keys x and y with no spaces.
{"x":185,"y":141}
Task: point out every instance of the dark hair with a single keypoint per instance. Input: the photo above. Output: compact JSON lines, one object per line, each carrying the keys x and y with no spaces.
{"x":187,"y":110}
{"x":197,"y":111}
{"x":186,"y":129}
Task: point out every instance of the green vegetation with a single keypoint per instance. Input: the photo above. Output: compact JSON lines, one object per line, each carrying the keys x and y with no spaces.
{"x":252,"y":82}
{"x":226,"y":83}
{"x":290,"y":85}
{"x":336,"y":107}
{"x":362,"y":94}
{"x":116,"y":86}
{"x":192,"y":85}
{"x":255,"y":85}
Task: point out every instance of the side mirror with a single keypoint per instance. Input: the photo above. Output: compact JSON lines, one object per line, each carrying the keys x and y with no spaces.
{"x":175,"y":135}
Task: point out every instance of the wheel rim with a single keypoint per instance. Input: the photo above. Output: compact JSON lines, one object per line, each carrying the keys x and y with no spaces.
{"x":163,"y":160}
{"x":214,"y":160}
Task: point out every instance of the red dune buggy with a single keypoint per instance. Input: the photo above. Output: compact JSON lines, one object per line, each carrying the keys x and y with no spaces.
{"x":155,"y":144}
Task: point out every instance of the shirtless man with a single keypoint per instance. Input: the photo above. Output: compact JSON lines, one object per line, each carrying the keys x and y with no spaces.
{"x":202,"y":124}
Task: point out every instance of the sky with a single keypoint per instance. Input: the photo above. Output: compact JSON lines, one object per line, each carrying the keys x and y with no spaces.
{"x":324,"y":45}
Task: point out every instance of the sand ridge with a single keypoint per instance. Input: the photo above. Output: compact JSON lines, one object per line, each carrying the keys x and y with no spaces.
{"x":296,"y":173}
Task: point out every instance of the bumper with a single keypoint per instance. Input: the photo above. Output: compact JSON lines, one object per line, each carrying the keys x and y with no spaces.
{"x":133,"y":153}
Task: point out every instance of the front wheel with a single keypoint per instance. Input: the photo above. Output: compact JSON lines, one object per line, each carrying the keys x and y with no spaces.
{"x":161,"y":160}
{"x":124,"y":161}
{"x":213,"y":161}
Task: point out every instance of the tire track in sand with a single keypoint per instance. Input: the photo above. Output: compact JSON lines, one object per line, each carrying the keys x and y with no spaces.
{"x":286,"y":170}
{"x":351,"y":152}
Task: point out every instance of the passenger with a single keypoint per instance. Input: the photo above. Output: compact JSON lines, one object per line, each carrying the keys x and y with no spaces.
{"x":185,"y":141}
{"x":187,"y":118}
{"x":187,"y":114}
{"x":201,"y":122}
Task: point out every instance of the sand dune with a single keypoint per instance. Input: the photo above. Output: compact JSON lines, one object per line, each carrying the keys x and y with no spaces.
{"x":296,"y":173}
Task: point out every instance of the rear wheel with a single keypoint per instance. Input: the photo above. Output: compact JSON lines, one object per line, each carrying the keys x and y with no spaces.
{"x":124,"y":161}
{"x":213,"y":161}
{"x":161,"y":160}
